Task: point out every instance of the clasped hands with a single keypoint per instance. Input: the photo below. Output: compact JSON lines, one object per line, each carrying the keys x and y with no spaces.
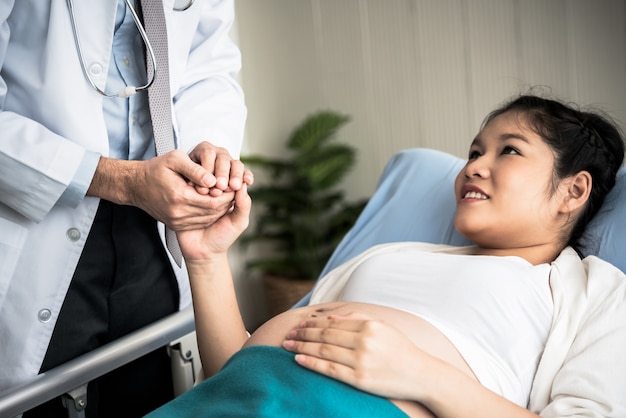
{"x":192,"y":191}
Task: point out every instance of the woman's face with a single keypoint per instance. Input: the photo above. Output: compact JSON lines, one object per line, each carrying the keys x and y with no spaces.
{"x":504,"y":193}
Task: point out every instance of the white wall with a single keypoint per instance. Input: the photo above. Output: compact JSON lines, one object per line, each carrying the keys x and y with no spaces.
{"x":418,"y":73}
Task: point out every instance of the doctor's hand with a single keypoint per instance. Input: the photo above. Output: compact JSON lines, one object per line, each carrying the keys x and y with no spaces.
{"x":367,"y":354}
{"x":166,"y":187}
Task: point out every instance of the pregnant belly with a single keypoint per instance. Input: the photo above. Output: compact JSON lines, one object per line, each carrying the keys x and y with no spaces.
{"x":420,"y":332}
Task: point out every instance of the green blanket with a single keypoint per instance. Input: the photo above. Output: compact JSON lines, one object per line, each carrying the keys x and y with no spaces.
{"x":263,"y":381}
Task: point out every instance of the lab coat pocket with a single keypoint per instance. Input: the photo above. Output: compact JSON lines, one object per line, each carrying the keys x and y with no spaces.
{"x":12,"y":239}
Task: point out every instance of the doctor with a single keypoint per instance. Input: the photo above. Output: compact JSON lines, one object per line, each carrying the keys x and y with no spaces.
{"x":83,"y":198}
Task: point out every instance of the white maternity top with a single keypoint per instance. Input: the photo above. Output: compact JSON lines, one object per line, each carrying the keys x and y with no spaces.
{"x":496,"y":311}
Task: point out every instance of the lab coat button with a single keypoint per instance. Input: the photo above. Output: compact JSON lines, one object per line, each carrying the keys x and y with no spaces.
{"x":44,"y":315}
{"x":95,"y":69}
{"x":73,"y":234}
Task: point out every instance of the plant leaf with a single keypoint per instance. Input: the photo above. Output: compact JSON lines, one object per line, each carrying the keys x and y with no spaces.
{"x":315,"y":130}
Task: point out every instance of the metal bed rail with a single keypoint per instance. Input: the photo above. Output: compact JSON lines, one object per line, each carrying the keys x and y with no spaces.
{"x":70,"y":379}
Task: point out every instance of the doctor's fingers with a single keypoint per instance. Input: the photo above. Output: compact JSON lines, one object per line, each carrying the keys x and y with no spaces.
{"x":193,"y":173}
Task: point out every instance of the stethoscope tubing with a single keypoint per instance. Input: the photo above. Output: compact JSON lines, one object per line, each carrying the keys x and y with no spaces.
{"x":128,"y":90}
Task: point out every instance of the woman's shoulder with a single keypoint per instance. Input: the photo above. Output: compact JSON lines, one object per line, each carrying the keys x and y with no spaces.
{"x":597,"y":278}
{"x":600,"y":263}
{"x":605,"y":275}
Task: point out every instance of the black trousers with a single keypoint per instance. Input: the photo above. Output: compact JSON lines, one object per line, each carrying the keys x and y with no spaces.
{"x":123,"y":281}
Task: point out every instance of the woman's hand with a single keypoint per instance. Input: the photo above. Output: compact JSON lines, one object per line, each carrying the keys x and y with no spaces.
{"x":229,"y":174}
{"x":216,"y":238}
{"x":377,"y":358}
{"x":368,"y":354}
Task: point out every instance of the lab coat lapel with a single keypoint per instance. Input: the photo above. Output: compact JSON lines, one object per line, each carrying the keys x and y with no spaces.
{"x":95,"y":26}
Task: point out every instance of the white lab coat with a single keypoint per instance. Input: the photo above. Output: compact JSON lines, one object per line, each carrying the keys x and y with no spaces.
{"x":49,"y":116}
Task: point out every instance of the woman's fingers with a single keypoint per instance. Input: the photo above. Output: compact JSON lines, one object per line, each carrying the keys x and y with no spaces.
{"x":349,"y":323}
{"x":364,"y":353}
{"x":226,"y":173}
{"x":343,"y":341}
{"x":339,"y":370}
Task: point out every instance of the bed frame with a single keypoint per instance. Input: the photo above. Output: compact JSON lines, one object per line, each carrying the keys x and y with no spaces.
{"x":70,"y":379}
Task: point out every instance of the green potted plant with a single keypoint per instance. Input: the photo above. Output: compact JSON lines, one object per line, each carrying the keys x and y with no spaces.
{"x":298,"y":211}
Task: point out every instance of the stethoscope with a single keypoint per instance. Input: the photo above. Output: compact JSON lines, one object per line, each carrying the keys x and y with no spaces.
{"x":179,"y":6}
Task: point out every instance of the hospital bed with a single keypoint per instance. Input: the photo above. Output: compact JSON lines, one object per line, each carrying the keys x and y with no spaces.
{"x":414,"y":201}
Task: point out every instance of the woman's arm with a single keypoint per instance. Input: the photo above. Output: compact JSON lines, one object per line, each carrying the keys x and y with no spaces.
{"x":378,"y":358}
{"x":219,"y":326}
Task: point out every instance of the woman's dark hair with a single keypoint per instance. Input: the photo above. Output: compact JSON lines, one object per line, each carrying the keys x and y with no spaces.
{"x":581,"y":140}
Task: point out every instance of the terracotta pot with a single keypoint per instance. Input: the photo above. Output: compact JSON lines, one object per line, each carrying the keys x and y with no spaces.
{"x":282,"y":293}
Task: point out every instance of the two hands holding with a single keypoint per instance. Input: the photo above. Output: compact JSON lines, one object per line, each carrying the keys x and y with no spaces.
{"x":191,"y":191}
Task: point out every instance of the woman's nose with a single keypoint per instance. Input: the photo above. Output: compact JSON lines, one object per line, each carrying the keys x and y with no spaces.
{"x":477,"y":167}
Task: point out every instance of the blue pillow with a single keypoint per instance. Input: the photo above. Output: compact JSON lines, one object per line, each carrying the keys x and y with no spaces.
{"x":606,"y":233}
{"x":414,"y":201}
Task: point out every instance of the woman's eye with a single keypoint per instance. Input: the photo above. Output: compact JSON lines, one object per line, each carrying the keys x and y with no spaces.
{"x":473,"y":155}
{"x":509,"y":150}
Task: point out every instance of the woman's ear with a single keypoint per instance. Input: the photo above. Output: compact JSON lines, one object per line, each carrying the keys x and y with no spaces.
{"x":577,"y":193}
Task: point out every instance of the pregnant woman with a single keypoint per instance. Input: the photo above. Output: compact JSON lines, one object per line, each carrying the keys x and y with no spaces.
{"x":422,"y":330}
